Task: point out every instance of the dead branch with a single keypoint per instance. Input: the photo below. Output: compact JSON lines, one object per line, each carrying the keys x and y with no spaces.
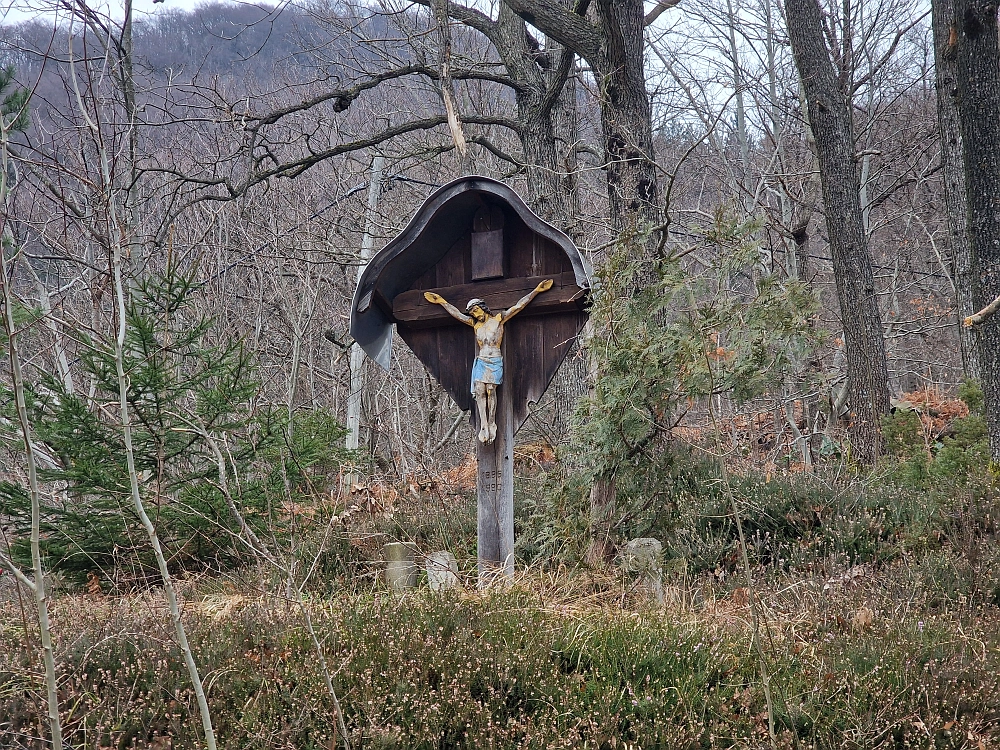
{"x":983,"y":315}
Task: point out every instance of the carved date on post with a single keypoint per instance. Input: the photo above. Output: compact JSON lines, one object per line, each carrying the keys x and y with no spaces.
{"x":491,"y":481}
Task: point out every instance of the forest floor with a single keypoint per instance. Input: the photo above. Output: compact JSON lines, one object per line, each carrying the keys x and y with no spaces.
{"x":894,"y":654}
{"x":867,"y":615}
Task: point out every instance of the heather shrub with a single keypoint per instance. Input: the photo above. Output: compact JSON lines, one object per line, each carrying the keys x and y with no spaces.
{"x":508,"y":670}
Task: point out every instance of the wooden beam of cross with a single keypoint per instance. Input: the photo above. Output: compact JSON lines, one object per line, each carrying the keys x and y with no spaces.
{"x":475,"y":239}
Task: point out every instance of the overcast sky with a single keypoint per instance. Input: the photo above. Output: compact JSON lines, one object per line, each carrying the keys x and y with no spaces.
{"x":15,"y":11}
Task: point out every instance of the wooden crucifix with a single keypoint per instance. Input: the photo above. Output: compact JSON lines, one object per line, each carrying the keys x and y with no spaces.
{"x":474,"y":242}
{"x":487,"y":369}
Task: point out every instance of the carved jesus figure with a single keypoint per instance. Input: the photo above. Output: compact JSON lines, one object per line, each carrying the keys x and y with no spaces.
{"x":487,"y":370}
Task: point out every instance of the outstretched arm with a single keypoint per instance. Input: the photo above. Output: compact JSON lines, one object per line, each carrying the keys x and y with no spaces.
{"x":523,"y":302}
{"x":453,"y":311}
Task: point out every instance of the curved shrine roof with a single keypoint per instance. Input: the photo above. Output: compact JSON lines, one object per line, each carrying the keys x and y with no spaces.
{"x":444,"y":218}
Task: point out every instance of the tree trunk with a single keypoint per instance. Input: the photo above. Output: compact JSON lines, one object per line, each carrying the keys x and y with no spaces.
{"x":830,"y":118}
{"x":626,"y":124}
{"x":541,"y":76}
{"x":355,"y":397}
{"x":953,"y":169}
{"x":977,"y":68}
{"x":566,"y":128}
{"x":626,"y":121}
{"x":613,"y":45}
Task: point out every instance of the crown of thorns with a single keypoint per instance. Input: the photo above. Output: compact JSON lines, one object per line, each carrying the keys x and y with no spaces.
{"x":477,"y":303}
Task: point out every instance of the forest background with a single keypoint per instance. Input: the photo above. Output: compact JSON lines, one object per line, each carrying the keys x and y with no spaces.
{"x":789,"y":211}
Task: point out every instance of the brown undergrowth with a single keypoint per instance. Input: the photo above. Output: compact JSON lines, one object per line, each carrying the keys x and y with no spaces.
{"x":877,"y":609}
{"x":560,"y":659}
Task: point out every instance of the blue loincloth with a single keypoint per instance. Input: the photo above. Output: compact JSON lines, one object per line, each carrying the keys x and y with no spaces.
{"x":487,"y":370}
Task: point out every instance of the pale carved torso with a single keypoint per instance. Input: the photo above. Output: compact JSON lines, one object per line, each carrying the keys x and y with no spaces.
{"x":489,"y":335}
{"x":487,"y":371}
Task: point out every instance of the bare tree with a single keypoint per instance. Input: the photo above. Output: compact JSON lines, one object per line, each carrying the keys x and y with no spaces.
{"x":14,"y":117}
{"x":972,"y":40}
{"x":831,"y":122}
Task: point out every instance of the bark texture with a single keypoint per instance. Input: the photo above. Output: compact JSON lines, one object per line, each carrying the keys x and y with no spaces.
{"x":977,"y":66}
{"x":830,"y":117}
{"x":537,"y":78}
{"x":613,"y":46}
{"x":953,"y":170}
{"x":541,"y":76}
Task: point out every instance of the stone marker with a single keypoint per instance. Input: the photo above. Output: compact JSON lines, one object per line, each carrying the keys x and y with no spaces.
{"x":442,"y":571}
{"x":400,"y":569}
{"x":644,"y":556}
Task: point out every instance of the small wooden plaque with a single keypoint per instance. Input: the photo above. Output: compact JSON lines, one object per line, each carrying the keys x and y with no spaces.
{"x":487,"y":244}
{"x":487,"y":255}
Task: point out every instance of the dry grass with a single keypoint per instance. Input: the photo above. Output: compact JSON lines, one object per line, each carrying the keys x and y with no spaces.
{"x":872,"y":660}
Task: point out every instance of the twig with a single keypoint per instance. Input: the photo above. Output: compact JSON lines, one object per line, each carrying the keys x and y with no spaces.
{"x":37,"y":587}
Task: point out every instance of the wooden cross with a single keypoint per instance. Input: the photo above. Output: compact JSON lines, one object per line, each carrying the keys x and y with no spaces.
{"x":475,"y":238}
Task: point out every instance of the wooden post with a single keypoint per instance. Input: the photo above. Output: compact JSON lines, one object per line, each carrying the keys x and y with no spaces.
{"x":495,"y":495}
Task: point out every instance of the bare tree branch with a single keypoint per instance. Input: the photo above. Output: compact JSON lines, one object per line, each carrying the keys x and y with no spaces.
{"x":343,"y":98}
{"x":297,"y":167}
{"x":474,"y":19}
{"x":568,"y":28}
{"x":900,"y":33}
{"x":661,"y":6}
{"x":983,"y":315}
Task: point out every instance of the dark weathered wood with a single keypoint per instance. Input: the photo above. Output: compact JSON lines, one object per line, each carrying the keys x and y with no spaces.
{"x":487,"y":255}
{"x":489,"y":218}
{"x":537,"y":346}
{"x":495,"y":496}
{"x":443,"y":219}
{"x":488,"y":243}
{"x":454,"y":267}
{"x":411,"y":309}
{"x":447,"y":348}
{"x":529,"y":366}
{"x":532,"y":255}
{"x":447,"y":353}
